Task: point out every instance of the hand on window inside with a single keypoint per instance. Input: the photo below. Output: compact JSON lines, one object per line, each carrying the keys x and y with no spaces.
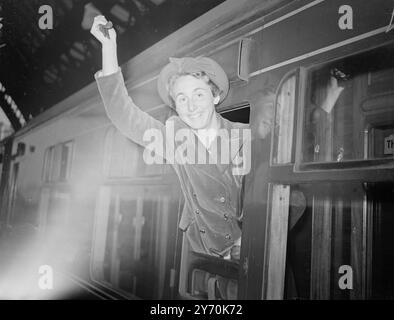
{"x":334,"y":85}
{"x":102,"y":30}
{"x":333,"y":92}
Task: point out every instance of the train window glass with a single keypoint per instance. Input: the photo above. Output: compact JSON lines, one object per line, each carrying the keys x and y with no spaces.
{"x":57,"y":156}
{"x":134,"y":249}
{"x":331,"y":241}
{"x":284,"y":121}
{"x":57,"y":162}
{"x":349,"y":112}
{"x":48,"y":163}
{"x":65,"y":164}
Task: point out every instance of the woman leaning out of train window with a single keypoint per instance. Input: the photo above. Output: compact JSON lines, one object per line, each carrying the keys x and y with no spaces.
{"x":211,"y":173}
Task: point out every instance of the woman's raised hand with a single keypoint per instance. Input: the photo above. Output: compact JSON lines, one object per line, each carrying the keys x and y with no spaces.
{"x":98,"y":23}
{"x":107,"y":37}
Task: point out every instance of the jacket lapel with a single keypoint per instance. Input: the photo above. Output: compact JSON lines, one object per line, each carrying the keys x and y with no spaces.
{"x":224,"y":149}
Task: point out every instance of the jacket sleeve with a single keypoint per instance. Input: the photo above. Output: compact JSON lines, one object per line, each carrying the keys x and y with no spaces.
{"x":129,"y":119}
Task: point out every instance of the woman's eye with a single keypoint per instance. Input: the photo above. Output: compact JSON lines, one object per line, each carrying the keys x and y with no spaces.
{"x":181,"y":99}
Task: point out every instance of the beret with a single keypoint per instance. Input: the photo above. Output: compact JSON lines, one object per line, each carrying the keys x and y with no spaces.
{"x":191,"y":65}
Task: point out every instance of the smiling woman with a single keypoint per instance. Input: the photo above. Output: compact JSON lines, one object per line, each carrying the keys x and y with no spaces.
{"x":193,"y":87}
{"x":195,"y":103}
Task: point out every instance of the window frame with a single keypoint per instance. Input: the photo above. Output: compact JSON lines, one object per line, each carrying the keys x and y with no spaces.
{"x":297,"y":73}
{"x":370,"y":170}
{"x":109,"y":194}
{"x":51,"y":169}
{"x":325,"y":167}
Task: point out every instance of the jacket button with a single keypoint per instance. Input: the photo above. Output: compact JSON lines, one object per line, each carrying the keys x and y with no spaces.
{"x":202,"y":230}
{"x":222,"y":199}
{"x":197,"y":211}
{"x":194,"y":194}
{"x":228,"y":237}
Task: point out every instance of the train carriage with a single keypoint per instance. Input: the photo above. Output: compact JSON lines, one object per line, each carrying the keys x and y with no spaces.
{"x":78,"y":196}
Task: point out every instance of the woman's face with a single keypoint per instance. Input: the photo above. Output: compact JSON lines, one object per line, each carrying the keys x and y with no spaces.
{"x":194,"y":101}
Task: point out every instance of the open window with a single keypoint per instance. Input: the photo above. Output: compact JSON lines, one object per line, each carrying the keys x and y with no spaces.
{"x":349,"y":109}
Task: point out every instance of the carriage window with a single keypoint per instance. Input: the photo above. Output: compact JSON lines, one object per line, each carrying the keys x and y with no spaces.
{"x":134,"y":240}
{"x":65,"y":160}
{"x":284,"y":121}
{"x":48,"y":163}
{"x":349,"y":110}
{"x":57,"y":162}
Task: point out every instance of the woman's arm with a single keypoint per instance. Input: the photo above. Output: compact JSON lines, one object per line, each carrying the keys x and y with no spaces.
{"x":109,"y":48}
{"x":333,"y":93}
{"x":124,"y":114}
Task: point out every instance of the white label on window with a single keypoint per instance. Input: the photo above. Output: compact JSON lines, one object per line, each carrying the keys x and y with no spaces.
{"x":389,"y":144}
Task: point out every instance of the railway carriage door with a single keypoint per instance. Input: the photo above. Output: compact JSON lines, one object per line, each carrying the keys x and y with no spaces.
{"x":134,"y":235}
{"x":329,"y":203}
{"x":133,"y":240}
{"x":282,"y":197}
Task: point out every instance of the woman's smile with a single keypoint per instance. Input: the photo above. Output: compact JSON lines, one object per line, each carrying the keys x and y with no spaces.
{"x":194,"y":115}
{"x":194,"y":102}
